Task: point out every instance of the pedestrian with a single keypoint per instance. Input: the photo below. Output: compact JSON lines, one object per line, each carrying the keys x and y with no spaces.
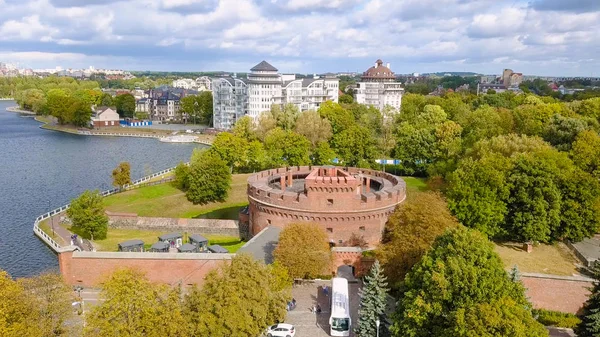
{"x":314,"y":309}
{"x":318,"y":309}
{"x":326,"y":291}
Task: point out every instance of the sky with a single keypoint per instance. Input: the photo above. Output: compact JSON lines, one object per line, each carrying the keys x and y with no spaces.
{"x":536,"y":37}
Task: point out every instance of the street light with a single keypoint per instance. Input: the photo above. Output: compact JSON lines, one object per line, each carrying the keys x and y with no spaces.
{"x":51,"y":220}
{"x":377,"y":324}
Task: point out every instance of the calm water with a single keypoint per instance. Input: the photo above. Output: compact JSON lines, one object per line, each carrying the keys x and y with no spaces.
{"x":42,"y":170}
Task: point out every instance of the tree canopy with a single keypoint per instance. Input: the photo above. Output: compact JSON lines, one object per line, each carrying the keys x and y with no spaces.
{"x":122,"y":175}
{"x":304,"y":250}
{"x":209,"y":178}
{"x":87,"y":215}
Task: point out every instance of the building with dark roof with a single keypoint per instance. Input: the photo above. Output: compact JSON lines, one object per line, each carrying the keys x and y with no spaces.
{"x":131,"y":246}
{"x":264,"y":87}
{"x":217,"y":249}
{"x":378,"y":87}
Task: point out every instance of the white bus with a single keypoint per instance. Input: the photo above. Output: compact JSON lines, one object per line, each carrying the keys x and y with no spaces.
{"x":340,"y":308}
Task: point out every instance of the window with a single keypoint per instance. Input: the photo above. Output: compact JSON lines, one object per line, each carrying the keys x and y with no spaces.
{"x":329,"y":230}
{"x":329,"y":201}
{"x":340,"y":242}
{"x":269,"y":221}
{"x":361,"y":228}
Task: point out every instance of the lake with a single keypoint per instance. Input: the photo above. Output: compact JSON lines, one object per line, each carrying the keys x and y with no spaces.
{"x":42,"y":170}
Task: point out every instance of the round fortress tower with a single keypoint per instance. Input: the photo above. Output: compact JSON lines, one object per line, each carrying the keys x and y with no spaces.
{"x":342,"y":200}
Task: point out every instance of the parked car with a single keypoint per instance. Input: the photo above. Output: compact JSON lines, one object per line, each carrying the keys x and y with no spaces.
{"x":281,"y":330}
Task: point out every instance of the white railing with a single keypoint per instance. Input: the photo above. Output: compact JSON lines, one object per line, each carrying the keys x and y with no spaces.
{"x":55,"y":245}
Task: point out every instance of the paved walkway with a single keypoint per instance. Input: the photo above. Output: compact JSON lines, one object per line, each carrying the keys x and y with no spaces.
{"x":65,"y":235}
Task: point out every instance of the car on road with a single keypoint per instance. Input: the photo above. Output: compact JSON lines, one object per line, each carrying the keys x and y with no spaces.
{"x":281,"y":330}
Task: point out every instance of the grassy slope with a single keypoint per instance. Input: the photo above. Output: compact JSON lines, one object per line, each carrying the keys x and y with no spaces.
{"x":545,"y":259}
{"x":415,"y":184}
{"x":167,"y":201}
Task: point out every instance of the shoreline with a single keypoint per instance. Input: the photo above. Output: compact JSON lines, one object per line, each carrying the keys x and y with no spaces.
{"x":47,"y":125}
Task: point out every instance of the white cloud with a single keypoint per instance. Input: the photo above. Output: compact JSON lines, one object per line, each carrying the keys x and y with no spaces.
{"x":28,"y":28}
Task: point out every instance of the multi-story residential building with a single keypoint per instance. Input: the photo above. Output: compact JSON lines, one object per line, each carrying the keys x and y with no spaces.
{"x":203,"y":83}
{"x":184,"y":83}
{"x":511,"y":79}
{"x":163,"y":103}
{"x":264,"y":87}
{"x":310,"y":93}
{"x":230,"y":101}
{"x":378,"y":88}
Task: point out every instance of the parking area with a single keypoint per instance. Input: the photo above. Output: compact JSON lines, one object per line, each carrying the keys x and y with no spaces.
{"x":309,"y":324}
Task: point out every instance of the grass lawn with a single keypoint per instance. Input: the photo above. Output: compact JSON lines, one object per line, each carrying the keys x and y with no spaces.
{"x":414,"y":184}
{"x":116,"y":236}
{"x":167,"y":201}
{"x":545,"y":259}
{"x":45,"y":226}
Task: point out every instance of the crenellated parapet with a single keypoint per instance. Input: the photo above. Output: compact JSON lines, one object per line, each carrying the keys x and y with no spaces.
{"x":333,"y":196}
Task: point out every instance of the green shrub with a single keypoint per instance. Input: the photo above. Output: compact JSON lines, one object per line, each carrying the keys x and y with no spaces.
{"x":556,"y":318}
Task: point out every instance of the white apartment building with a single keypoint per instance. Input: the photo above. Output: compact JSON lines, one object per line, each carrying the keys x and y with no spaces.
{"x":203,"y":83}
{"x":184,"y":83}
{"x":264,"y":89}
{"x":378,"y":88}
{"x":234,"y":98}
{"x":230,"y":101}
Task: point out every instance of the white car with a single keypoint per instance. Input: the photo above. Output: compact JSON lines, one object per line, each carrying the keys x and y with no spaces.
{"x":281,"y":330}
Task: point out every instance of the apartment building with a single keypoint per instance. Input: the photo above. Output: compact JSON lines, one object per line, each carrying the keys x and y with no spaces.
{"x":378,"y":87}
{"x":265,"y":86}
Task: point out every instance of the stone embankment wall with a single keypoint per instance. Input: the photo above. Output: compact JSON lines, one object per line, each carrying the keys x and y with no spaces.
{"x":90,"y":269}
{"x":199,"y":226}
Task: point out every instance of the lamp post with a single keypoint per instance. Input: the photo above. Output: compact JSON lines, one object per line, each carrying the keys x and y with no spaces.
{"x":51,"y":220}
{"x":377,"y":324}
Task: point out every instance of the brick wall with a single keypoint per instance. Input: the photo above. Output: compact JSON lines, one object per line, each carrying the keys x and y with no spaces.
{"x":198,"y":226}
{"x":89,"y":269}
{"x":556,"y":294}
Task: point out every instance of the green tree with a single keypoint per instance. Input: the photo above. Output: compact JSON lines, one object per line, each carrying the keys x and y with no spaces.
{"x":205,"y":101}
{"x":340,"y":118}
{"x":238,"y":300}
{"x":18,"y":312}
{"x":287,"y":148}
{"x":410,"y":232}
{"x":182,"y":174}
{"x":244,"y":128}
{"x":106,"y":100}
{"x":58,"y":102}
{"x":580,"y":205}
{"x":346,"y":99}
{"x":125,"y":105}
{"x":256,"y":156}
{"x":209,"y":178}
{"x":80,"y":113}
{"x":313,"y":127}
{"x":373,"y":300}
{"x":304,"y":250}
{"x":190,"y":106}
{"x":561,"y":131}
{"x":323,"y":154}
{"x":122,"y":175}
{"x":52,"y":299}
{"x":87,"y":215}
{"x":586,"y":152}
{"x":590,"y":314}
{"x":484,"y":122}
{"x":231,"y":148}
{"x":134,"y":307}
{"x":286,"y":117}
{"x":356,"y":146}
{"x":460,"y":286}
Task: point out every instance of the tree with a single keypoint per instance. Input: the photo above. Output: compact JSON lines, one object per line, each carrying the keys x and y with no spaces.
{"x":304,"y":250}
{"x":340,"y":118}
{"x":52,"y":299}
{"x":57,"y":105}
{"x":239,"y":299}
{"x":410,"y":232}
{"x":122,"y":175}
{"x":346,"y":99}
{"x":80,"y":113}
{"x":256,"y":156}
{"x":580,"y":205}
{"x":460,"y":286}
{"x":182,"y":174}
{"x":286,"y":117}
{"x":287,"y":148}
{"x":373,"y":300}
{"x":125,"y":105}
{"x":106,"y":100}
{"x":590,"y":314}
{"x":266,"y":123}
{"x":205,"y":101}
{"x":586,"y":152}
{"x":134,"y":307}
{"x":209,"y":178}
{"x":244,"y":128}
{"x":356,"y":146}
{"x":323,"y":154}
{"x":231,"y":148}
{"x":190,"y":106}
{"x":562,"y":131}
{"x":313,"y":127}
{"x":87,"y":215}
{"x":18,"y":312}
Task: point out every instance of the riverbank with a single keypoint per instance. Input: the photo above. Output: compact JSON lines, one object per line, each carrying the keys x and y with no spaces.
{"x":18,"y":110}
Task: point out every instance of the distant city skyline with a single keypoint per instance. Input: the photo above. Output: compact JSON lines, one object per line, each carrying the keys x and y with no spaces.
{"x":536,"y":37}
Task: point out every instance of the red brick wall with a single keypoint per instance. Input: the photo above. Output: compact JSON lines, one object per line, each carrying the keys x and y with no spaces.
{"x":90,"y":272}
{"x":355,"y":259}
